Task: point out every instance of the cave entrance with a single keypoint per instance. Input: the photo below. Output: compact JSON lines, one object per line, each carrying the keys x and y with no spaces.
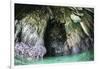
{"x":54,"y":37}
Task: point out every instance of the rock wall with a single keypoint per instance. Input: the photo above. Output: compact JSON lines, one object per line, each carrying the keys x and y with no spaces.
{"x":65,"y":30}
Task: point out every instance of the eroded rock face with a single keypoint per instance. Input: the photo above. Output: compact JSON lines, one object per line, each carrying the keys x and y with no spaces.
{"x":34,"y":52}
{"x":61,"y":33}
{"x":29,"y":35}
{"x":40,"y":49}
{"x":18,"y":30}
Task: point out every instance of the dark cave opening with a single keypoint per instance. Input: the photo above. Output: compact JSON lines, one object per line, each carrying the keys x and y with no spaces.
{"x":54,"y":37}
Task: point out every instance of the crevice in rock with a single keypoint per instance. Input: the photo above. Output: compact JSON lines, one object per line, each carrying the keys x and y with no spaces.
{"x":54,"y":37}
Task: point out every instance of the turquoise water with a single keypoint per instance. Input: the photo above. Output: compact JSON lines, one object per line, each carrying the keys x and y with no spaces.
{"x":85,"y":56}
